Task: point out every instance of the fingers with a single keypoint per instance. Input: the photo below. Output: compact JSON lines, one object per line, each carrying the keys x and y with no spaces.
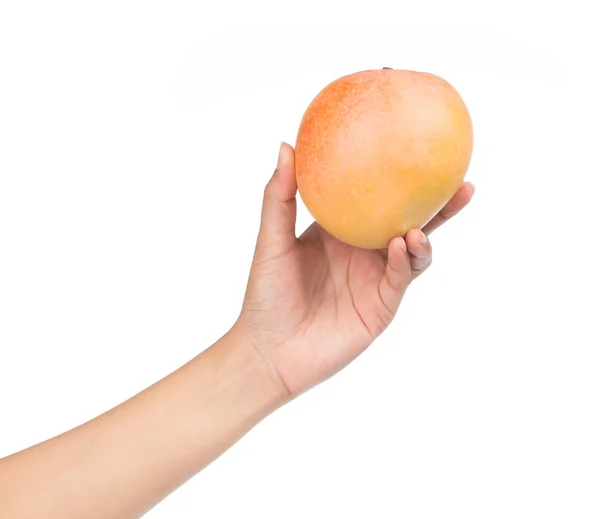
{"x":397,"y":277}
{"x":460,"y":199}
{"x":419,"y":246}
{"x":278,"y":219}
{"x":420,"y":253}
{"x":409,"y":257}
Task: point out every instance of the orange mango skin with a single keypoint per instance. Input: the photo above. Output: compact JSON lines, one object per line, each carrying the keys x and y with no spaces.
{"x":380,"y":152}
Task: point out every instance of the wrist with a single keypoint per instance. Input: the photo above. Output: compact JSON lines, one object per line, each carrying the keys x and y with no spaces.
{"x":248,"y":373}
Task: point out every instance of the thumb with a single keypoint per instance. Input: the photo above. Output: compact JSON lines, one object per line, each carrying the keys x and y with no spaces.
{"x":278,"y":218}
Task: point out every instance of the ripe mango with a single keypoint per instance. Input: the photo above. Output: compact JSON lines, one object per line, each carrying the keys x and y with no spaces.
{"x":379,"y":152}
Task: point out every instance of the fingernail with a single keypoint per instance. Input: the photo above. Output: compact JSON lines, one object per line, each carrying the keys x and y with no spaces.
{"x":282,"y":159}
{"x":402,"y":244}
{"x":423,"y":237}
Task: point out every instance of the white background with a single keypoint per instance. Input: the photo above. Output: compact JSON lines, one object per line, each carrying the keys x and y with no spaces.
{"x":135,"y":141}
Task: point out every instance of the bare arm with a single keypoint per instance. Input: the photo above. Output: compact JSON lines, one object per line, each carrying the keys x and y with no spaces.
{"x":312,"y":305}
{"x":125,"y":461}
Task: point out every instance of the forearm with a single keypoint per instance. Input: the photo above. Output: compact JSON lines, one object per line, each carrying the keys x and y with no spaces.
{"x":122,"y":463}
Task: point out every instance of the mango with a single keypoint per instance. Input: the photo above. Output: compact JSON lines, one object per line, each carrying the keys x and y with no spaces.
{"x":380,"y":152}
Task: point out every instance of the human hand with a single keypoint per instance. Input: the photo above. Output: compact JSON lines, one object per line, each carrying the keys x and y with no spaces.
{"x":313,"y":303}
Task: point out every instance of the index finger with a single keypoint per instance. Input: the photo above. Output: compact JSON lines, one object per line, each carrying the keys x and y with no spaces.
{"x":460,"y":199}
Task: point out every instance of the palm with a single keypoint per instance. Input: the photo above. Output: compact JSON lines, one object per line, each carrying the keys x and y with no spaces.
{"x":313,"y":303}
{"x":343,"y":290}
{"x":322,"y":294}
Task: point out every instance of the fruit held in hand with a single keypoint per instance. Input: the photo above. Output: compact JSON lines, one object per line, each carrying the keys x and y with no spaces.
{"x":380,"y":152}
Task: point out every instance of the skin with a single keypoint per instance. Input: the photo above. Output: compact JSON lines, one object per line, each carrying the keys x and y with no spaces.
{"x":313,"y":304}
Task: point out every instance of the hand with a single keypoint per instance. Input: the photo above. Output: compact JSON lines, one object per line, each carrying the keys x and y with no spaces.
{"x":313,"y":303}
